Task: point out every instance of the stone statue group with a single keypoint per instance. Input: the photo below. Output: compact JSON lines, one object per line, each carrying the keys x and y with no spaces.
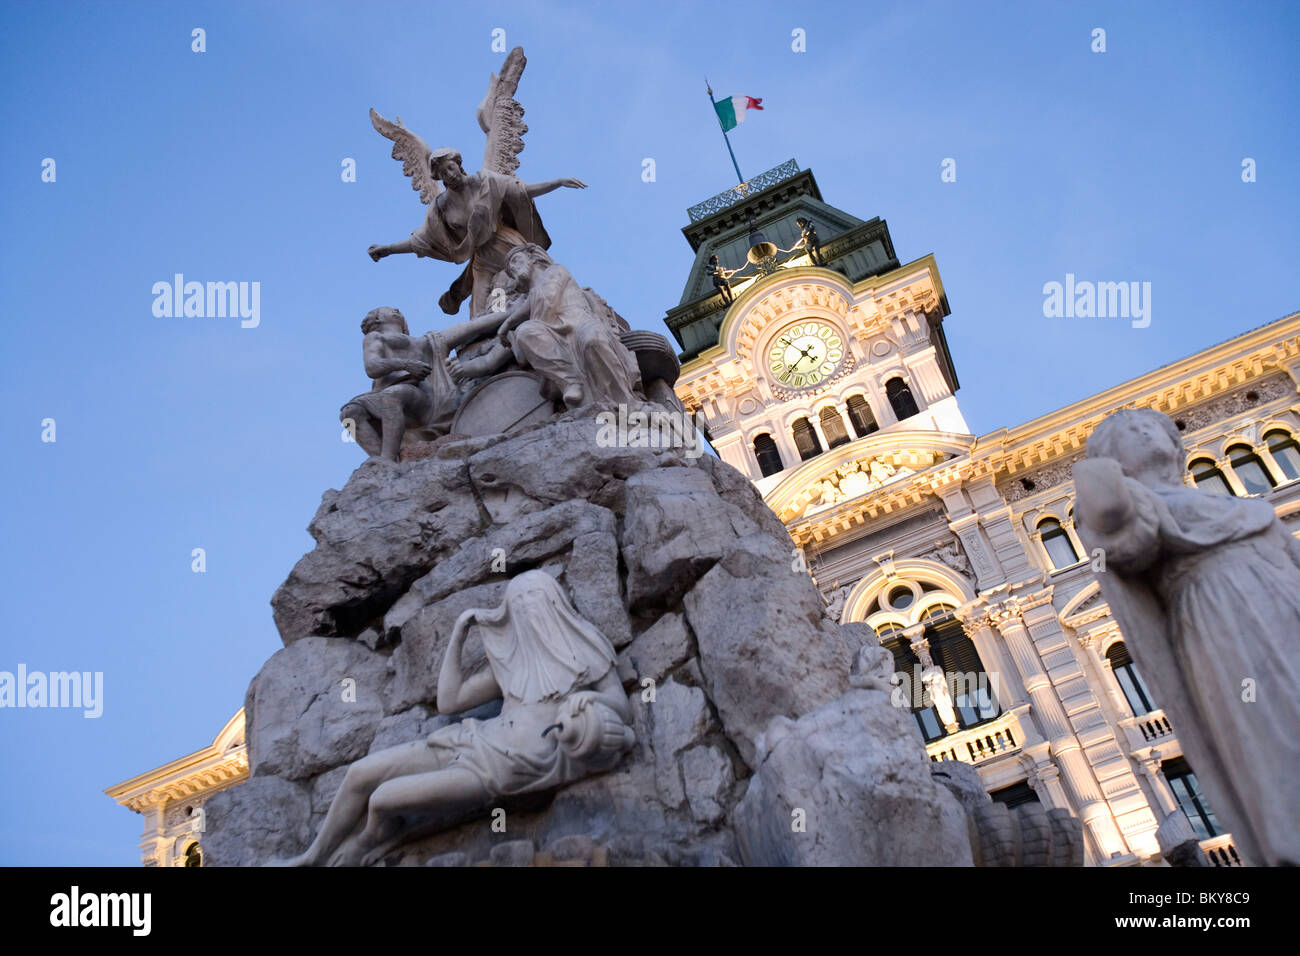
{"x":563,"y":714}
{"x":526,"y":310}
{"x":1206,"y":588}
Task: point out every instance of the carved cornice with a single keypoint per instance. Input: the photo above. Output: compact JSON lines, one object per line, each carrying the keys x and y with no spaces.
{"x":221,"y":763}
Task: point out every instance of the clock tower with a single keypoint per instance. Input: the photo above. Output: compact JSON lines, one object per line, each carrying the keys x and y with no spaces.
{"x":821,"y":371}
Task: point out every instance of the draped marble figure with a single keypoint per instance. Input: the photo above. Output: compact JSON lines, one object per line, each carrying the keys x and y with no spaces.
{"x":477,"y":218}
{"x":1206,"y":590}
{"x":566,"y":333}
{"x":563,"y":716}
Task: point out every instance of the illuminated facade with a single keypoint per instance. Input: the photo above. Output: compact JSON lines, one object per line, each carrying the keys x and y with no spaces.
{"x":832,"y":388}
{"x":960,"y":552}
{"x":171,"y":797}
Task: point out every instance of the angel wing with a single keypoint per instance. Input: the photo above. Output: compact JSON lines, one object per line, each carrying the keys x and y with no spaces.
{"x":502,"y":118}
{"x":414,"y":154}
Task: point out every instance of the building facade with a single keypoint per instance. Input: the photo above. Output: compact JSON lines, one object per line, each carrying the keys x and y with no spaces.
{"x":824,"y":375}
{"x":959,"y":552}
{"x":171,"y":797}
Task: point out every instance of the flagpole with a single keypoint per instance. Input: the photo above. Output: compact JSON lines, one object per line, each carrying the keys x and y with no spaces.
{"x":725,"y":138}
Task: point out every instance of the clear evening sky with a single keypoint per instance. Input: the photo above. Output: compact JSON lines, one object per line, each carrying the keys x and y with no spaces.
{"x":182,"y":433}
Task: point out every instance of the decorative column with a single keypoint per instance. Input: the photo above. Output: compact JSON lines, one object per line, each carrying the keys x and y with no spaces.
{"x":785,"y":445}
{"x":1065,"y":747}
{"x":152,"y":842}
{"x":1150,"y":767}
{"x":1231,"y":478}
{"x":815,"y":420}
{"x":1117,"y":699}
{"x":1045,"y":778}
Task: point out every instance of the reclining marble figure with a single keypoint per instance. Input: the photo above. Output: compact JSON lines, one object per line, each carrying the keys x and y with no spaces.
{"x":564,"y":716}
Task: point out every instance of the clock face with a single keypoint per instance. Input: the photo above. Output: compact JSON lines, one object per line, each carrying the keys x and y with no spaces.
{"x":805,"y":354}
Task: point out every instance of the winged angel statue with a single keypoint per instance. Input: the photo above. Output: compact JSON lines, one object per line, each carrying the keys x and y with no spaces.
{"x":476,"y":218}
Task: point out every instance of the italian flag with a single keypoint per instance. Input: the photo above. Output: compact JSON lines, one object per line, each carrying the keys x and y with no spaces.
{"x":731,"y":111}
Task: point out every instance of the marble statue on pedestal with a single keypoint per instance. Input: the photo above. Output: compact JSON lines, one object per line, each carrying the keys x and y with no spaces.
{"x":477,"y":218}
{"x":1206,"y":590}
{"x":564,"y":715}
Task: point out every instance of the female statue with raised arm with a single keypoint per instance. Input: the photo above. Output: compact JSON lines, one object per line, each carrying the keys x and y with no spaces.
{"x":1206,"y":590}
{"x":563,"y":716}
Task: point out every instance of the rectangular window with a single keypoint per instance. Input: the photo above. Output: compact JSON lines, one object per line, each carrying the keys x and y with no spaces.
{"x":1187,"y":791}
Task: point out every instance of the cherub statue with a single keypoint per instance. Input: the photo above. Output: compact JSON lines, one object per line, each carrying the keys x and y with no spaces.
{"x":412,"y":389}
{"x":478,"y":218}
{"x":809,"y":241}
{"x":566,"y":333}
{"x":564,"y":716}
{"x":1206,"y":590}
{"x":721,"y":278}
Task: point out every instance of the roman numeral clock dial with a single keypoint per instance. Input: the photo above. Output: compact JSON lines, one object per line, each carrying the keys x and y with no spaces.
{"x":805,"y":354}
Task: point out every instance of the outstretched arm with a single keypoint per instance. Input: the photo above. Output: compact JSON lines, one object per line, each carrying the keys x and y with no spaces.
{"x":550,"y":185}
{"x":379,"y":250}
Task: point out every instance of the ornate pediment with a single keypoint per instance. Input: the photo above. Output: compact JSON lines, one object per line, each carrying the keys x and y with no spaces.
{"x":855,"y":477}
{"x":870,"y":466}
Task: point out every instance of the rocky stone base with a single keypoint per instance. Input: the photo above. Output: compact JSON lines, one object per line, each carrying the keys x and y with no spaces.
{"x":740,"y":689}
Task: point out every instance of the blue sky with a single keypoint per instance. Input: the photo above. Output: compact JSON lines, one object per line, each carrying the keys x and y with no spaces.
{"x":174,"y":433}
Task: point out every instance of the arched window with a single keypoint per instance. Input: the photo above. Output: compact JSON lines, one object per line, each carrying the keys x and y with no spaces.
{"x":954,"y":652}
{"x":1060,"y":549}
{"x":833,"y":427}
{"x":1250,"y":470}
{"x":768,"y":455}
{"x":1130,"y":681}
{"x":1206,"y":475}
{"x":805,"y":439}
{"x":1281,"y":446}
{"x":193,"y":855}
{"x":900,"y":398}
{"x":864,"y":423}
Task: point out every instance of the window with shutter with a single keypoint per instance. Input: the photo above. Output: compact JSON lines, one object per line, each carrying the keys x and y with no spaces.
{"x":864,"y":423}
{"x":833,"y":427}
{"x":805,"y":439}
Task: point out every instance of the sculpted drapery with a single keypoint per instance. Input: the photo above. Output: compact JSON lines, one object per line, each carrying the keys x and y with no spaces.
{"x":1206,"y":590}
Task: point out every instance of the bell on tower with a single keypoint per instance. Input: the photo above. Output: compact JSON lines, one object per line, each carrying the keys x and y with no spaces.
{"x":761,"y":252}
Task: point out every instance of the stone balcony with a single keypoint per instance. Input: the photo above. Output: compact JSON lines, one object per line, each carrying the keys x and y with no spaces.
{"x":978,"y":744}
{"x":1220,"y":851}
{"x":1149,"y":730}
